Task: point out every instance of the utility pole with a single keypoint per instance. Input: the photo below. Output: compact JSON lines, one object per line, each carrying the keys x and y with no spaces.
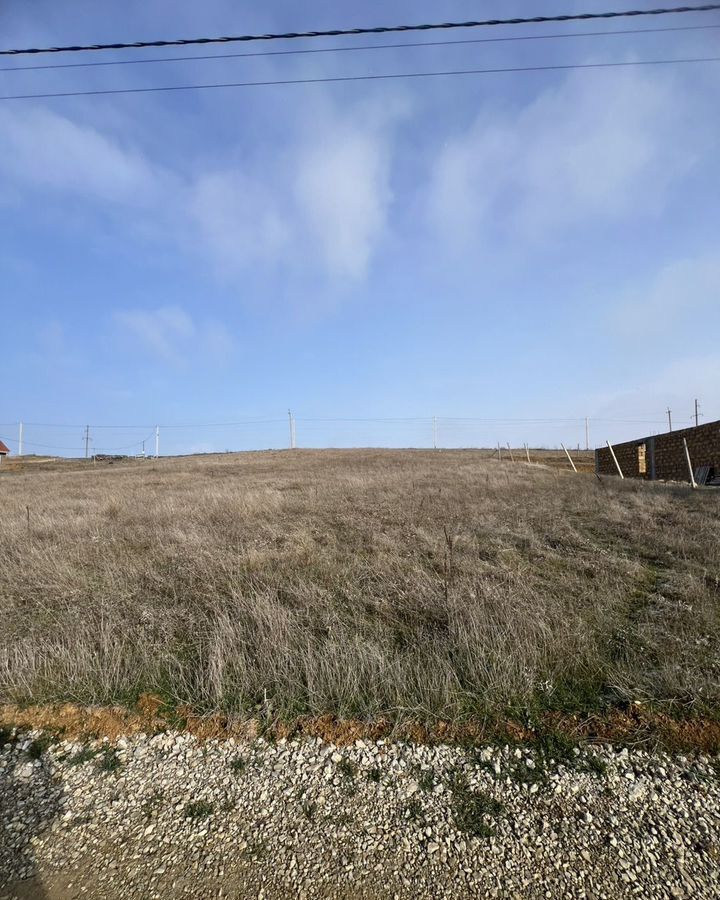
{"x":587,"y":433}
{"x":669,"y":414}
{"x":291,"y":420}
{"x":434,"y":432}
{"x":20,"y":440}
{"x":157,"y":441}
{"x":697,"y":413}
{"x":87,"y":440}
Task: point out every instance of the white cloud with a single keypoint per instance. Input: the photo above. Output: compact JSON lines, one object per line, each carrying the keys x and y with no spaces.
{"x":239,"y":219}
{"x":342,"y":194}
{"x":321,"y":204}
{"x":318,"y":202}
{"x":597,"y":147}
{"x":46,"y":150}
{"x":170,"y":333}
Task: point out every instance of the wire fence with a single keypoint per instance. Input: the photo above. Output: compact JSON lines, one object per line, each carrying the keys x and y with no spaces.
{"x":264,"y":433}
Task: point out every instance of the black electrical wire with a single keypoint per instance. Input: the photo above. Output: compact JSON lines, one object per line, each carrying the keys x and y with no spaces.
{"x":347,"y":78}
{"x":380,"y":29}
{"x":361,"y":47}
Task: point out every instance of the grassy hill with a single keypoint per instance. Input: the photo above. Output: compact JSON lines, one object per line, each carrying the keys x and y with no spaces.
{"x":397,"y":584}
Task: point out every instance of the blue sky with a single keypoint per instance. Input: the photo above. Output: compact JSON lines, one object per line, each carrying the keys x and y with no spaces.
{"x":539,"y":245}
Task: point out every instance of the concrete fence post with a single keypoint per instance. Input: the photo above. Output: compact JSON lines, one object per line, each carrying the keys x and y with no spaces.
{"x":569,"y":457}
{"x":693,"y":483}
{"x":617,"y":464}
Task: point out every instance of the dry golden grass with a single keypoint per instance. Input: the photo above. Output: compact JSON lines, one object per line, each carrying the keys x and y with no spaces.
{"x":402,"y":584}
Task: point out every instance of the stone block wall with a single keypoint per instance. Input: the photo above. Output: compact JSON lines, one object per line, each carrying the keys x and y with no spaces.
{"x":662,"y":456}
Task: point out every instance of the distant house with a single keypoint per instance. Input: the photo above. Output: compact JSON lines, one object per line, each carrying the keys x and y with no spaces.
{"x":3,"y":451}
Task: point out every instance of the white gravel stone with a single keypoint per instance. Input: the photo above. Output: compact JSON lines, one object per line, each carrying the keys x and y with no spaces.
{"x":177,"y":818}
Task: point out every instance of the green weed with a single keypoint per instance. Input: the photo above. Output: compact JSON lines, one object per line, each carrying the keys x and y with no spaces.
{"x":82,"y":756}
{"x":40,"y":745}
{"x":238,"y":765}
{"x":108,"y":760}
{"x":198,"y":809}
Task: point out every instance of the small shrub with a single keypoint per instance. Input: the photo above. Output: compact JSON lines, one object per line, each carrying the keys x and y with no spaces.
{"x":347,"y":768}
{"x":414,"y":810}
{"x":426,"y":780}
{"x":238,"y":765}
{"x":308,"y":809}
{"x":593,"y":764}
{"x":557,"y":747}
{"x":198,"y":809}
{"x":471,"y":811}
{"x":108,"y":760}
{"x":522,"y":773}
{"x":82,"y":756}
{"x":39,"y":745}
{"x":374,"y":775}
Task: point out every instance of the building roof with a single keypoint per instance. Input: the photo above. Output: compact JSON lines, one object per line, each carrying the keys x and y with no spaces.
{"x":3,"y":448}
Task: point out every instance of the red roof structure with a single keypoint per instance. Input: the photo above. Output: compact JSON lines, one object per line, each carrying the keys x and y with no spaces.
{"x":3,"y":449}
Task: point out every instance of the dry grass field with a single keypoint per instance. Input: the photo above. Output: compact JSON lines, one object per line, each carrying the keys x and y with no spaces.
{"x":396,"y":584}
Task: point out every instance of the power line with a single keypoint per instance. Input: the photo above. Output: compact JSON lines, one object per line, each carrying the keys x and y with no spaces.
{"x":144,"y":427}
{"x":347,"y":78}
{"x":396,"y":46}
{"x":336,"y":419}
{"x":380,"y":29}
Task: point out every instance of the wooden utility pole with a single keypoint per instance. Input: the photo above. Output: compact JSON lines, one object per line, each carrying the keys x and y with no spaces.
{"x":87,"y":441}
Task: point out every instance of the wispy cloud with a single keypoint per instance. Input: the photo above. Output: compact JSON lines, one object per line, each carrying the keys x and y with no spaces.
{"x":318,"y":202}
{"x":322,"y":203}
{"x":169,"y":333}
{"x":594,"y":148}
{"x":42,"y":149}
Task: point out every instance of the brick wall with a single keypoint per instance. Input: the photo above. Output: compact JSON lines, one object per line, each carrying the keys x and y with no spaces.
{"x":664,"y":454}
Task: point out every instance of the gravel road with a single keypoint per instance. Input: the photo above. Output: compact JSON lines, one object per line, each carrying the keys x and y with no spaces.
{"x":168,"y":816}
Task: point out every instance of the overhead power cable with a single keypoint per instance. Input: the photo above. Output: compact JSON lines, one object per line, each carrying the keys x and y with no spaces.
{"x":380,"y":29}
{"x":347,"y":78}
{"x":362,"y":47}
{"x":68,"y":426}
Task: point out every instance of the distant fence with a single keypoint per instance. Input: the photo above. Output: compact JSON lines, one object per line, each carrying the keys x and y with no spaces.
{"x":663,"y":456}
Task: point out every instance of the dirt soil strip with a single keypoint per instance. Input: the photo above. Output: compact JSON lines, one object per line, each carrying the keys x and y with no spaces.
{"x":637,"y":725}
